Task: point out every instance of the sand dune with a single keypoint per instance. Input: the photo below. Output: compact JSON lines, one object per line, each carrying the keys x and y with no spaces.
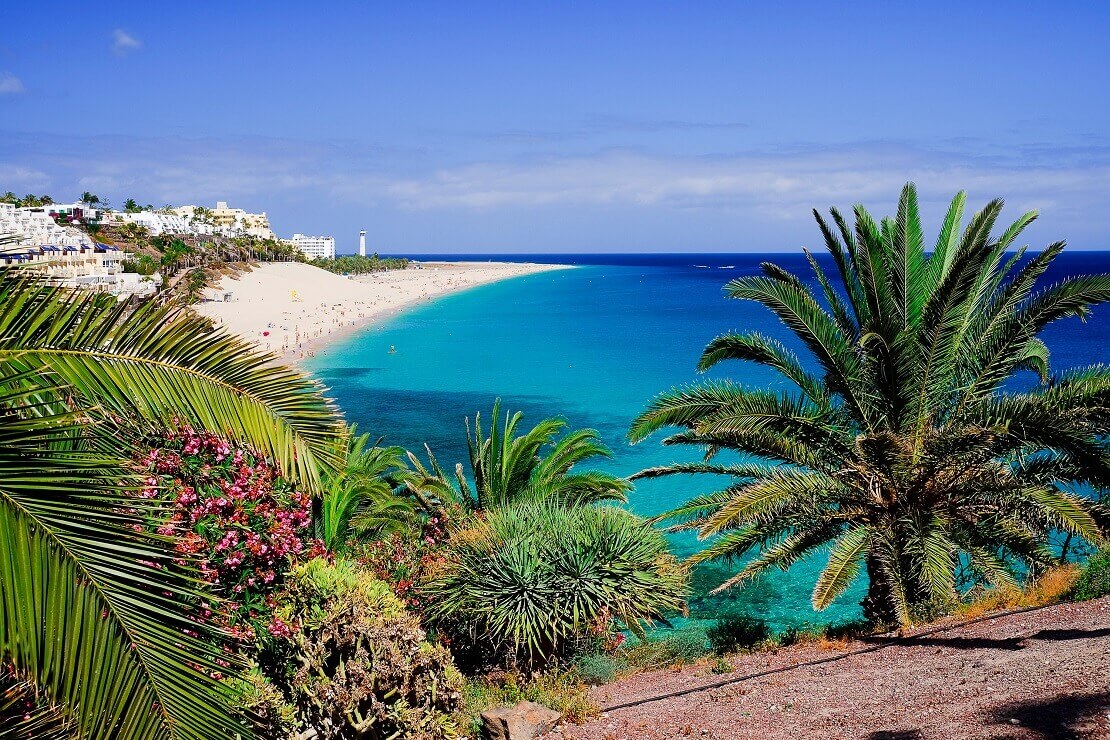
{"x":291,"y":309}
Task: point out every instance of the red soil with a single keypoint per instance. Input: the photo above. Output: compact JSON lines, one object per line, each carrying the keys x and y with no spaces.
{"x":1041,"y":674}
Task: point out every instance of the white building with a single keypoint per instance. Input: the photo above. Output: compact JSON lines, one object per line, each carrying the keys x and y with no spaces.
{"x":315,"y":247}
{"x":73,"y":212}
{"x":156,"y":222}
{"x":96,"y":267}
{"x":228,"y":221}
{"x":362,"y":243}
{"x":35,"y":227}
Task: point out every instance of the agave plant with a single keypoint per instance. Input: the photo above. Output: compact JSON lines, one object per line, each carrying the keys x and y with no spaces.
{"x":529,"y":579}
{"x":84,"y":617}
{"x":537,"y":465}
{"x":901,"y":446}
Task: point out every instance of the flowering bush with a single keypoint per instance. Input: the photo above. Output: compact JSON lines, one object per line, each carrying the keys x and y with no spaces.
{"x":235,"y":516}
{"x":402,"y":560}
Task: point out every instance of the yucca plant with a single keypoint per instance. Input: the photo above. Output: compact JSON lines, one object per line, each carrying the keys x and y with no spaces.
{"x":85,"y":616}
{"x":529,"y":579}
{"x":900,"y":446}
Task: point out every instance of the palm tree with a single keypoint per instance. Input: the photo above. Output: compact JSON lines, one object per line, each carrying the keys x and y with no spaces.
{"x":85,"y":617}
{"x":363,"y":497}
{"x":537,"y":465}
{"x":902,"y":446}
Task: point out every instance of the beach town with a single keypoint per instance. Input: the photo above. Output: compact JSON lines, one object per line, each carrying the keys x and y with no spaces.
{"x":554,"y":371}
{"x":289,"y":308}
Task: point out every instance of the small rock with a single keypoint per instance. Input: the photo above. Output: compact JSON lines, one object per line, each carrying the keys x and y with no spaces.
{"x":1015,"y":721}
{"x":525,"y":721}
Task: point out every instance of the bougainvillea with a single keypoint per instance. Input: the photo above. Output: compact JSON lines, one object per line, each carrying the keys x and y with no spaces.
{"x":235,"y":517}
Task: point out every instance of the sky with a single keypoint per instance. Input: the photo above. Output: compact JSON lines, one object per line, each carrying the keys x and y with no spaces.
{"x":564,"y":127}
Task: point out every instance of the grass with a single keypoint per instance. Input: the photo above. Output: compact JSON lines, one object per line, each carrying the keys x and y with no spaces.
{"x":1051,"y":587}
{"x":678,"y":648}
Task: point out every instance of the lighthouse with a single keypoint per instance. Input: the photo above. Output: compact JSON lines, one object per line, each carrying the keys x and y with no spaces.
{"x":362,"y":243}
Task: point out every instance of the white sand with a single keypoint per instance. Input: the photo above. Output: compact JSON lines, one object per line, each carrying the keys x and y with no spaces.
{"x":291,"y":309}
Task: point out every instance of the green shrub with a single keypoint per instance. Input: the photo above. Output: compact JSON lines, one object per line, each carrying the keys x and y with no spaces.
{"x":740,"y":632}
{"x":794,"y":635}
{"x":680,"y":647}
{"x":1094,"y":578}
{"x":144,"y":264}
{"x":848,"y":630}
{"x":264,"y":707}
{"x":596,"y":669}
{"x":352,"y":662}
{"x":531,"y":580}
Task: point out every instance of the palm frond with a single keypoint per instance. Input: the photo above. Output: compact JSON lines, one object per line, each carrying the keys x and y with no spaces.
{"x":165,"y":364}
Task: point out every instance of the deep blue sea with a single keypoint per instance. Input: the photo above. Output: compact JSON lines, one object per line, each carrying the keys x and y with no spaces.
{"x":594,"y":345}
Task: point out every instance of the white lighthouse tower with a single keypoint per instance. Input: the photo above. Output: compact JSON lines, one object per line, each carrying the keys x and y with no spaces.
{"x":362,"y":243}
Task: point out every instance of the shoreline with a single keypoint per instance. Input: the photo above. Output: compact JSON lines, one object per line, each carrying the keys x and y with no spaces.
{"x":294,"y":310}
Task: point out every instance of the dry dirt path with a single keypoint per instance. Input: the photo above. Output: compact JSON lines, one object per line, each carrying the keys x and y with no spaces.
{"x":1041,"y":674}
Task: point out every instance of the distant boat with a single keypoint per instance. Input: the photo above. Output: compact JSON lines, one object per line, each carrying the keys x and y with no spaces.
{"x":727,"y":267}
{"x":703,"y":267}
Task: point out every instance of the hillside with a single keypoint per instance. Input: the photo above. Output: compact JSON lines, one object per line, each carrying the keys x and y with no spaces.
{"x":1040,"y":674}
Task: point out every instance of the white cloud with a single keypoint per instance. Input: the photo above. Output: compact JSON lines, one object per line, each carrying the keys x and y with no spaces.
{"x":124,"y":43}
{"x":10,"y":84}
{"x":22,"y":179}
{"x":776,"y":185}
{"x":706,"y":198}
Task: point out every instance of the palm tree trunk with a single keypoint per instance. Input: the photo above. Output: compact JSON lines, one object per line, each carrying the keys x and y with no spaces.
{"x":878,"y":604}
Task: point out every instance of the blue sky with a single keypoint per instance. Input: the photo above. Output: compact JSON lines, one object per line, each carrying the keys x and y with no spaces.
{"x":514,"y":127}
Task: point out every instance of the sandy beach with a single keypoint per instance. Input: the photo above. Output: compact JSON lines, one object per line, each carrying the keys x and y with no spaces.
{"x":292,"y":309}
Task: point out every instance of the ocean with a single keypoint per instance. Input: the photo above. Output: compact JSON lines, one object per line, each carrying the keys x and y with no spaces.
{"x":594,"y":345}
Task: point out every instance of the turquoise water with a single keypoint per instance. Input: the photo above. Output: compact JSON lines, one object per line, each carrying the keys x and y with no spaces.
{"x":594,"y":344}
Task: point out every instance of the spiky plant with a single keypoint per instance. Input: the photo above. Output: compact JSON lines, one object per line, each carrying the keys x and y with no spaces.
{"x":900,"y":447}
{"x":529,"y":579}
{"x":363,"y":497}
{"x":85,"y":616}
{"x":537,"y":465}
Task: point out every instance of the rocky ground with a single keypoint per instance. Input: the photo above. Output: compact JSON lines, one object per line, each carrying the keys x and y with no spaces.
{"x":1041,"y":674}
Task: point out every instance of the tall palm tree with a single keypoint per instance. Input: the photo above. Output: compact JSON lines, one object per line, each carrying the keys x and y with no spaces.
{"x":537,"y":465}
{"x":901,"y":446}
{"x":85,"y":614}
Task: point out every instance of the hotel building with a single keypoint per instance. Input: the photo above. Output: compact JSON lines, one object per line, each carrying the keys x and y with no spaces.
{"x":315,"y":247}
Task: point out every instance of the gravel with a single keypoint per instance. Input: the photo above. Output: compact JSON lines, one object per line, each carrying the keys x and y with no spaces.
{"x":1041,"y":674}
